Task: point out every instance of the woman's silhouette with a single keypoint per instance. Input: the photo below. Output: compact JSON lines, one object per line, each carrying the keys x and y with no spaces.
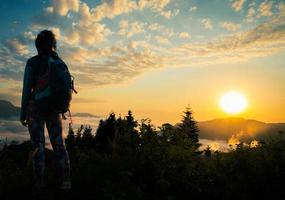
{"x":36,"y":119}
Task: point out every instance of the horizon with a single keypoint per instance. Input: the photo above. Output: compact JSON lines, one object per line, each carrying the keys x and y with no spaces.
{"x":157,"y":125}
{"x":220,"y":133}
{"x":156,"y":57}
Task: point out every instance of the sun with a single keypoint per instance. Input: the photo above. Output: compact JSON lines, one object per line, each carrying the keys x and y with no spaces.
{"x":233,"y":102}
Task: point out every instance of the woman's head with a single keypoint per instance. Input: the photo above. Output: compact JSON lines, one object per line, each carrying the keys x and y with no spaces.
{"x":45,"y":42}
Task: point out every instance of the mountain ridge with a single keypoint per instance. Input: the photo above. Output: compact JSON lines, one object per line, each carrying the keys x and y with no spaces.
{"x":8,"y":111}
{"x":225,"y":128}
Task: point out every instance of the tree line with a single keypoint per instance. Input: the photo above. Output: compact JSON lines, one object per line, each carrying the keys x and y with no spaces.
{"x":127,"y":159}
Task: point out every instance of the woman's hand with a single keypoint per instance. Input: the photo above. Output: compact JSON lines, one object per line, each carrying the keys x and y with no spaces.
{"x":24,"y":122}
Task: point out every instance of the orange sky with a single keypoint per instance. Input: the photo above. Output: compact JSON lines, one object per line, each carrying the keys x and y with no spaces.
{"x":163,"y":94}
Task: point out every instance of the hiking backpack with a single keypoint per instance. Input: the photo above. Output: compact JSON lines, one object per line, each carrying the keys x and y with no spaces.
{"x":54,"y":85}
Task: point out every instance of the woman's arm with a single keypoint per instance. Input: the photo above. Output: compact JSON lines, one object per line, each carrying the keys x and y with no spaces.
{"x":26,"y":93}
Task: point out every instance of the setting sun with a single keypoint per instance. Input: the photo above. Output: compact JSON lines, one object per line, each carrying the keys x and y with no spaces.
{"x":233,"y":102}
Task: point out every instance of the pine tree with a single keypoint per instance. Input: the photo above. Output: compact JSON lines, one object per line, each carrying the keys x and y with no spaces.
{"x":70,"y":139}
{"x":78,"y":137}
{"x":188,"y":126}
{"x":208,"y":151}
{"x":87,"y":137}
{"x":131,"y":123}
{"x":106,"y":134}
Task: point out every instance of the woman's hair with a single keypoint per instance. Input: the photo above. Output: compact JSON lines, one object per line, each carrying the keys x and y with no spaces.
{"x":45,"y":42}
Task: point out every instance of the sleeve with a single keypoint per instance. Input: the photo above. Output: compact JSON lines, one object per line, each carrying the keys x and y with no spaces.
{"x":26,"y":92}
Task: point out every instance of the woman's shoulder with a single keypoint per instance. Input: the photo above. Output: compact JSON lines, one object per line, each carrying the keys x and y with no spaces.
{"x":33,"y":59}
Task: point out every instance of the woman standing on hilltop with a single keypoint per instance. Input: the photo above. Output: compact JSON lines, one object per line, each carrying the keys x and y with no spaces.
{"x":38,"y":109}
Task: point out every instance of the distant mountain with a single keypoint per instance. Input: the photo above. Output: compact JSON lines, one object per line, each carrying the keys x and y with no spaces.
{"x":224,"y":129}
{"x":85,"y":115}
{"x":8,"y":110}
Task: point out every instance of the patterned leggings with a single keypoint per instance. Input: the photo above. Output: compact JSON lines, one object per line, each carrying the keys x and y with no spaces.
{"x":54,"y":126}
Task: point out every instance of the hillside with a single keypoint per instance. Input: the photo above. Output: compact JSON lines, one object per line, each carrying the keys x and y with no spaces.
{"x":223,"y":129}
{"x":8,"y":110}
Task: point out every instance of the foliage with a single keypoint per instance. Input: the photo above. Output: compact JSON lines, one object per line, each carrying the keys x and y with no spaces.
{"x":127,"y":159}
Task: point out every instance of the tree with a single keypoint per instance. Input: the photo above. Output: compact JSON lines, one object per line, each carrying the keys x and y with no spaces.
{"x":208,"y":151}
{"x":167,"y":132}
{"x":78,"y":137}
{"x":70,"y":139}
{"x":127,"y":138}
{"x":106,"y":134}
{"x":87,"y":137}
{"x":188,"y":126}
{"x":131,"y":122}
{"x":130,"y":128}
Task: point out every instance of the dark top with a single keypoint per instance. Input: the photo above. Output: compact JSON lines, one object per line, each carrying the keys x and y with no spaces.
{"x":30,"y":77}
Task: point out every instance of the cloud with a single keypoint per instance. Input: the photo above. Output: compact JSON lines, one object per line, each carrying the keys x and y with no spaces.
{"x":265,"y":9}
{"x":87,"y":34}
{"x":157,"y":5}
{"x":230,"y":26}
{"x":184,"y":35}
{"x":129,"y":30}
{"x":237,"y":4}
{"x":281,"y":7}
{"x":14,"y":97}
{"x":108,"y":8}
{"x":193,"y":8}
{"x":162,"y":40}
{"x":56,"y":15}
{"x":56,"y":32}
{"x":265,"y":39}
{"x":13,"y":54}
{"x":15,"y":46}
{"x":136,"y":27}
{"x":250,"y":15}
{"x":120,"y":62}
{"x":113,"y":8}
{"x":84,"y":12}
{"x":72,"y":38}
{"x":123,"y":27}
{"x":168,"y":14}
{"x":155,"y":27}
{"x":61,"y":7}
{"x":108,"y":65}
{"x":207,"y":23}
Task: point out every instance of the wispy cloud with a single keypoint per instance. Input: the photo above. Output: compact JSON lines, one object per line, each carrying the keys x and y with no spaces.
{"x":184,"y":35}
{"x":265,"y":9}
{"x":230,"y":26}
{"x":263,"y":40}
{"x":237,"y":4}
{"x":207,"y":23}
{"x":128,"y":30}
{"x":193,"y":8}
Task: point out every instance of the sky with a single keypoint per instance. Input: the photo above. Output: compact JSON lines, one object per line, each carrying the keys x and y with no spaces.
{"x":155,"y":57}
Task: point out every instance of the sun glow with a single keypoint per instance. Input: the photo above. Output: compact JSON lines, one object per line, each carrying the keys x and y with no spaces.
{"x":233,"y":102}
